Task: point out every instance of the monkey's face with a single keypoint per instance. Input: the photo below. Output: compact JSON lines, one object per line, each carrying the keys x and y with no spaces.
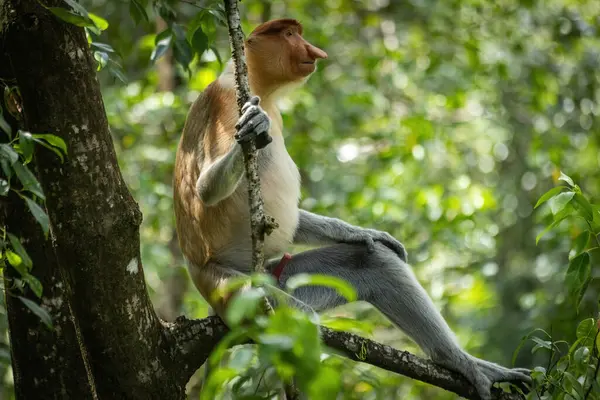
{"x":279,"y":53}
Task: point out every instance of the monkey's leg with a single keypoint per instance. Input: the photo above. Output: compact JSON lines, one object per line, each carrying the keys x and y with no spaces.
{"x":381,"y":278}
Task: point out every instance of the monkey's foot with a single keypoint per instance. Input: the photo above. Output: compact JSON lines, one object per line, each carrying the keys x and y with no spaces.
{"x":483,"y":374}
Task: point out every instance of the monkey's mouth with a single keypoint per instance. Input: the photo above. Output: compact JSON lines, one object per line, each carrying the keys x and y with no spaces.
{"x":308,"y":62}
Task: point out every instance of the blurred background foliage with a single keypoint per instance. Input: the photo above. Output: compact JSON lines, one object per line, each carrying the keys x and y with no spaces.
{"x":440,"y":122}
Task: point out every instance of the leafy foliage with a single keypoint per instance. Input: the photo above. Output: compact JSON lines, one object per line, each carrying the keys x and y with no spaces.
{"x":443,"y":123}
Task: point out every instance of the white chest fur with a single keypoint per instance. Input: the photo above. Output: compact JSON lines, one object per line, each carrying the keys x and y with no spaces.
{"x":280,"y":183}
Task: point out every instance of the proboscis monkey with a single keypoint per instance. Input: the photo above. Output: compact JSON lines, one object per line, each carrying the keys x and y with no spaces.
{"x":211,"y":207}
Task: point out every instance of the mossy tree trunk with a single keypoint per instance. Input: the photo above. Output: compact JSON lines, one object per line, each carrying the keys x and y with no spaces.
{"x":107,"y":342}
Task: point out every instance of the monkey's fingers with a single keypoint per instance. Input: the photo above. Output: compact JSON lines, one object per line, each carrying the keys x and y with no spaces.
{"x":263,"y":139}
{"x":252,"y":128}
{"x":254,"y":101}
{"x":249,"y":114}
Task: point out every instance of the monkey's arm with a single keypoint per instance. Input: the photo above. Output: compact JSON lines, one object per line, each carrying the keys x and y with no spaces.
{"x":318,"y":229}
{"x":222,"y":177}
{"x":219,"y":180}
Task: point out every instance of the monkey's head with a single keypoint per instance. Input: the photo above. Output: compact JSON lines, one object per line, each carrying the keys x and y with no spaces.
{"x":277,"y":51}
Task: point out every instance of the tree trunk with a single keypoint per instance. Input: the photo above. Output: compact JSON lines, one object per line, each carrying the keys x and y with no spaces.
{"x":94,"y":219}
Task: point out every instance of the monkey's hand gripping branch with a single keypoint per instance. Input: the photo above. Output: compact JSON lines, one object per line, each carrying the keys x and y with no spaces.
{"x":261,"y":224}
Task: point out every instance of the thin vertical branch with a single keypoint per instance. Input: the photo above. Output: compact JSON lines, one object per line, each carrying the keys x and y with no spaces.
{"x":259,"y":223}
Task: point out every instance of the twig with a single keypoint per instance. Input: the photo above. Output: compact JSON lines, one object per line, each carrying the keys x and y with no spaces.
{"x":259,"y":223}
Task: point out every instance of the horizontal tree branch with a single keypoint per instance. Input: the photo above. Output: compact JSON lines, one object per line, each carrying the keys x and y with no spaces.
{"x":193,"y":341}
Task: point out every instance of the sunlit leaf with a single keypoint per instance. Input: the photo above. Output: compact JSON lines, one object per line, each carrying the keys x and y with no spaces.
{"x":548,"y":195}
{"x":52,"y":148}
{"x":560,"y":201}
{"x":244,"y":305}
{"x":281,"y":342}
{"x":99,"y":22}
{"x":102,"y":59}
{"x":26,"y":145}
{"x":586,"y":328}
{"x":20,"y":250}
{"x":161,"y":48}
{"x":103,"y":47}
{"x":71,"y":17}
{"x":567,"y":179}
{"x":340,"y":285}
{"x":16,"y":262}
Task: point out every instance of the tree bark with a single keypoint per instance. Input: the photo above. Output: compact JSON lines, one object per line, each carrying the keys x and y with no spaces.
{"x":94,"y":219}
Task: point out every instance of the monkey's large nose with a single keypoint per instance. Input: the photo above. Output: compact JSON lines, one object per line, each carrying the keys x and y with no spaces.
{"x":315,"y":52}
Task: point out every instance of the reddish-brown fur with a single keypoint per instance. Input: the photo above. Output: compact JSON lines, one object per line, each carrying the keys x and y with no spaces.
{"x":275,"y":53}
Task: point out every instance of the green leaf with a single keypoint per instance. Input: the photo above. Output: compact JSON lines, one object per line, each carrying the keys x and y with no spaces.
{"x":55,"y":150}
{"x":578,"y":276}
{"x":586,"y":328}
{"x":6,"y":168}
{"x":137,"y":11}
{"x":103,"y":47}
{"x":26,"y":145}
{"x":548,"y":195}
{"x":40,"y":215}
{"x":182,"y":50}
{"x":102,"y":59}
{"x":77,"y":7}
{"x":581,"y":241}
{"x":4,"y":187}
{"x":178,"y":30}
{"x":216,"y":51}
{"x":161,"y":48}
{"x":564,"y":177}
{"x":546,"y":344}
{"x":219,"y":15}
{"x":279,"y":341}
{"x":16,"y":262}
{"x":53,"y":140}
{"x":99,"y":22}
{"x":518,"y":349}
{"x":8,"y":153}
{"x":560,"y":201}
{"x":5,"y":126}
{"x":340,"y":285}
{"x":20,"y":250}
{"x":28,"y":180}
{"x":585,"y":208}
{"x":115,"y":70}
{"x":34,"y":284}
{"x":548,"y":229}
{"x":38,"y":310}
{"x":244,"y":305}
{"x":71,"y":17}
{"x":199,"y":41}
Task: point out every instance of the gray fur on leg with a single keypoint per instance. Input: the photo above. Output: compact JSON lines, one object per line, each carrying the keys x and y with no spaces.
{"x":384,"y":280}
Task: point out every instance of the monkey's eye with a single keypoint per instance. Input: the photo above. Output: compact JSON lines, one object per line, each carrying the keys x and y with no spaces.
{"x":289,"y":33}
